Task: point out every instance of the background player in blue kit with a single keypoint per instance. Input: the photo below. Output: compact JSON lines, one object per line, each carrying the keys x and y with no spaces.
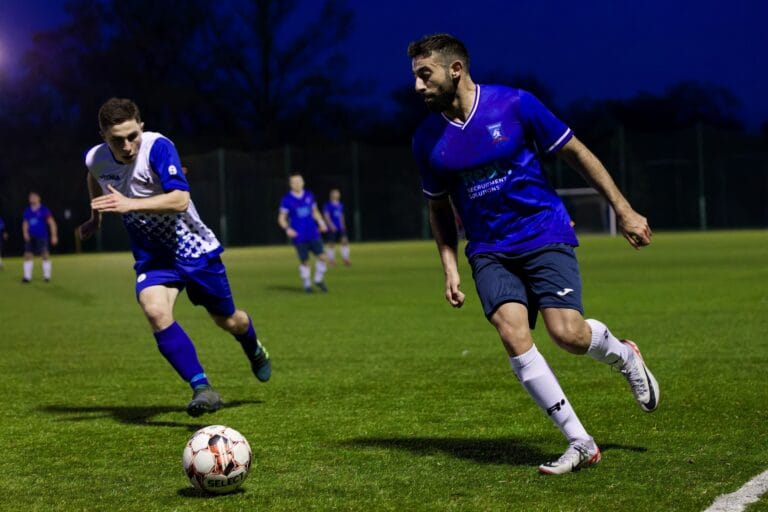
{"x":480,"y":150}
{"x":138,"y":174}
{"x":300,"y":218}
{"x":39,"y":231}
{"x":333,"y":211}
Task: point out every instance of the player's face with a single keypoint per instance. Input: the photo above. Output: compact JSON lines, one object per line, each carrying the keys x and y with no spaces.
{"x":124,"y":140}
{"x":296,"y":183}
{"x":34,"y":199}
{"x":433,"y":82}
{"x":335,"y":195}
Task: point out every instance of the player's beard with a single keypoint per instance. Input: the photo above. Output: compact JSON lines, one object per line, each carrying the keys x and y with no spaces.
{"x":441,"y":100}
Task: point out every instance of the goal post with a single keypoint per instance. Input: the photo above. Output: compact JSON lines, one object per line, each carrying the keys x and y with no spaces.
{"x":590,"y":211}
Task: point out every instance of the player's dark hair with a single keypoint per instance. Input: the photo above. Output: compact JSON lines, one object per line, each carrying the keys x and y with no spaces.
{"x":447,"y":45}
{"x":295,"y":173}
{"x":117,"y":110}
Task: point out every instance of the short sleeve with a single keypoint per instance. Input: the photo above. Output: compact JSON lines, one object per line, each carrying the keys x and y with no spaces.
{"x":165,"y":161}
{"x":432,"y":185}
{"x":547,"y":131}
{"x":284,"y":206}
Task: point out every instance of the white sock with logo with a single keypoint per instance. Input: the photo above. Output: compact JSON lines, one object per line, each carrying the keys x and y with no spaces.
{"x":345,"y":252}
{"x":46,"y":269}
{"x":331,"y":253}
{"x":605,"y":347}
{"x":28,"y":269}
{"x":537,"y":378}
{"x":304,"y":273}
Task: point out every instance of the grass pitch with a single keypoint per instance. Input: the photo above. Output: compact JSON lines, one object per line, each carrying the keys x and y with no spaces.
{"x":383,"y":397}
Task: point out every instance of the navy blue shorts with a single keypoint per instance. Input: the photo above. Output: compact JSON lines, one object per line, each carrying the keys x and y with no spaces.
{"x":304,"y":248}
{"x":335,"y":236}
{"x":545,"y":278}
{"x":206,"y":283}
{"x":36,"y":245}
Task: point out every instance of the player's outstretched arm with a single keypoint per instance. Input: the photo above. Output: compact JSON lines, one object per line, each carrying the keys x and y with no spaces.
{"x":443,"y":223}
{"x":175,"y":201}
{"x":633,"y":226}
{"x":319,"y":219}
{"x":285,"y":225}
{"x":90,"y":227}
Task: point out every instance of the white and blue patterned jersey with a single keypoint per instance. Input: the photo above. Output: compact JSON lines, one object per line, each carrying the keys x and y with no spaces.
{"x":155,"y":237}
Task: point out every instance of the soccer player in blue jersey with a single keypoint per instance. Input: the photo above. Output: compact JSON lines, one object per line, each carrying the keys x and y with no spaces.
{"x":333,"y":211}
{"x":138,"y":175}
{"x":300,"y":218}
{"x":40,"y":233}
{"x":480,"y":150}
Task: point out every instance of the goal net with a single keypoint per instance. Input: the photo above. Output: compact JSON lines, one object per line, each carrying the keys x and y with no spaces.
{"x":589,"y":211}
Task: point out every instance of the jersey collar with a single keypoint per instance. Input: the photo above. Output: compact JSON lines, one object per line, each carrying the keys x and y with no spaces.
{"x":471,"y":112}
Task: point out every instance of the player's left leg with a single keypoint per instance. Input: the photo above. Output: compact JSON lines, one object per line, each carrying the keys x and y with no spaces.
{"x":208,"y":286}
{"x":321,"y":263}
{"x":46,"y":254}
{"x":345,"y":250}
{"x":556,"y":284}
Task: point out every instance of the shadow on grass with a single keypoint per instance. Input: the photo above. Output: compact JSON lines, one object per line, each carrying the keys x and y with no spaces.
{"x":133,"y":415}
{"x":285,"y":288}
{"x":508,"y":451}
{"x":191,"y":492}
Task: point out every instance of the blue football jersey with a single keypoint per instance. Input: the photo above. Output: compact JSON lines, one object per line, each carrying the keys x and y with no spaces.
{"x":490,"y":167}
{"x":299,"y":210}
{"x":336,"y":212}
{"x":37,"y":221}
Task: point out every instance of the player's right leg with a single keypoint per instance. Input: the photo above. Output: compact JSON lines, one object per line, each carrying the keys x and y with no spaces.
{"x":28,"y":264}
{"x":157,"y":293}
{"x":305,"y":273}
{"x":504,"y":299}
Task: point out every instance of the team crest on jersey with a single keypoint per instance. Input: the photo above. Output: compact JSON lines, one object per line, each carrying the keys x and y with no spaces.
{"x":496,"y":133}
{"x":172,"y":170}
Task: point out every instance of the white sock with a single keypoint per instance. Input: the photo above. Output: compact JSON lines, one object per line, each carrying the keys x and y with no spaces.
{"x":331,"y":253}
{"x":537,"y":378}
{"x":28,"y":269}
{"x":46,"y":269}
{"x":320,"y":268}
{"x":605,"y":347}
{"x":345,"y":252}
{"x":304,"y":273}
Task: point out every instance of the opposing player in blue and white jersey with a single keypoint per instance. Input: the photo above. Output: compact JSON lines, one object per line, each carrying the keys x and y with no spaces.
{"x":40,"y":231}
{"x":138,"y":175}
{"x":480,"y":151}
{"x":300,"y":218}
{"x":333,"y":212}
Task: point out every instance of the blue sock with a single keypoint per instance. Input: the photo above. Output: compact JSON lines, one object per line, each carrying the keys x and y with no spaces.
{"x":248,"y":340}
{"x":178,"y":349}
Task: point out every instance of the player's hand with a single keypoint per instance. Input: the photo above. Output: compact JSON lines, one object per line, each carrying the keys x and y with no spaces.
{"x":54,"y":240}
{"x":88,"y":228}
{"x":323,"y":227}
{"x":291,"y":233}
{"x":635,"y":229}
{"x":115,"y":202}
{"x":453,"y":294}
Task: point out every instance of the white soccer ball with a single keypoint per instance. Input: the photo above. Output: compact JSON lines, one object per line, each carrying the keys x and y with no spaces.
{"x":217,"y":459}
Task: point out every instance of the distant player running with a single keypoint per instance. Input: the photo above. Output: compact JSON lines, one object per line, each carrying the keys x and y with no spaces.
{"x":333,"y":211}
{"x":138,"y":174}
{"x":480,"y":149}
{"x":40,"y":232}
{"x":300,"y":218}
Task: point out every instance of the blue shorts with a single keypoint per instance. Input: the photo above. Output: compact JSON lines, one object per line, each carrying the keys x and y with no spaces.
{"x":36,"y":245}
{"x":335,"y":236}
{"x":304,"y":248}
{"x":206,"y":283}
{"x":545,"y":278}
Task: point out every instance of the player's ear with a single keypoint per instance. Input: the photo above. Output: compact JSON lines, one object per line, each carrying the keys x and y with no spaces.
{"x":141,"y":126}
{"x":457,"y":68}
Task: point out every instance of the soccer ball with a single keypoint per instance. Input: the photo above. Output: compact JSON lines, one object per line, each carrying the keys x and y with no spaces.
{"x":217,"y":459}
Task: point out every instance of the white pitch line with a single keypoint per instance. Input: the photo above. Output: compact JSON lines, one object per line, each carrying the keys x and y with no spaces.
{"x":738,"y":501}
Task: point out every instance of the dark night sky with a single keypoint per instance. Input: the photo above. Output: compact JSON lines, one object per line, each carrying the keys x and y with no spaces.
{"x":594,"y":49}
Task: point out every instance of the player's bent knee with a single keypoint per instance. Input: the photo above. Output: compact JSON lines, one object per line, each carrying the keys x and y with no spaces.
{"x":571,"y":336}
